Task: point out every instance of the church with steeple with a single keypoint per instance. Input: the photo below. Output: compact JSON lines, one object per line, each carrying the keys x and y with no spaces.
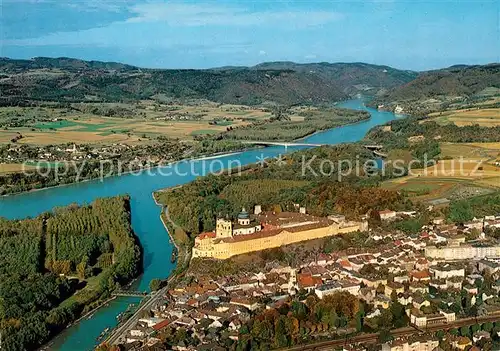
{"x":244,"y":225}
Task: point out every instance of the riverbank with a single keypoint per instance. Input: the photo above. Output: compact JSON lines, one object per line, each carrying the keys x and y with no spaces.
{"x":181,"y":241}
{"x":146,"y":225}
{"x":139,"y":171}
{"x":184,"y":256}
{"x":183,"y":158}
{"x":105,"y":302}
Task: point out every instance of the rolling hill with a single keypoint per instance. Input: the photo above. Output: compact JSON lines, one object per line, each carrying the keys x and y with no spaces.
{"x":352,"y":78}
{"x":73,"y":80}
{"x":439,"y":89}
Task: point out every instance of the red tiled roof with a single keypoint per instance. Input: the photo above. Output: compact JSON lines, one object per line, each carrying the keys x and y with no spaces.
{"x":317,"y":281}
{"x":307,"y":280}
{"x":161,"y":325}
{"x":420,"y":274}
{"x":206,"y":235}
{"x":323,"y":256}
{"x":345,"y":263}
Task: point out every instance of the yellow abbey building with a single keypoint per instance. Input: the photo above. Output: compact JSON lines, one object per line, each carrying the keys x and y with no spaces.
{"x":267,"y":230}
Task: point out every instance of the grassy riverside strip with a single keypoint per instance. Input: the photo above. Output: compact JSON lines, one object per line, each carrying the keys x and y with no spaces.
{"x":181,"y":241}
{"x":178,"y":237}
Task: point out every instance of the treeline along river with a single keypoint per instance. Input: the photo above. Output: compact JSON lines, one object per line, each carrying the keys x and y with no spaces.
{"x":145,"y":214}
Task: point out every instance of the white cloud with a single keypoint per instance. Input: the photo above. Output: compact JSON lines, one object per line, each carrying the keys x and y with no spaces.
{"x":98,"y":5}
{"x":81,"y":5}
{"x":177,"y":14}
{"x":262,"y":52}
{"x":164,"y":25}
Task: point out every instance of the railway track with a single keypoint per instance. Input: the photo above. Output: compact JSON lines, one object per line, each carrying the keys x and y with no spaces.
{"x":407,"y":331}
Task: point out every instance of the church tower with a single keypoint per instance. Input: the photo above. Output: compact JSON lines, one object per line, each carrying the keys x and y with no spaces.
{"x":223,"y":228}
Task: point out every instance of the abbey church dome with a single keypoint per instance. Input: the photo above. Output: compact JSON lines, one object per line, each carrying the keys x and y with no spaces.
{"x":243,"y":214}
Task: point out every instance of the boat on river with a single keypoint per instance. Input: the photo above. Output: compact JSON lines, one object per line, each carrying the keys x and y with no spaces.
{"x":173,"y":258}
{"x":103,"y":334}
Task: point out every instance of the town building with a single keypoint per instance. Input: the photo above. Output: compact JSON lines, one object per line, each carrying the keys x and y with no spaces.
{"x":462,"y":252}
{"x":337,"y":286}
{"x":447,"y":270}
{"x":386,"y":215}
{"x":413,"y":343}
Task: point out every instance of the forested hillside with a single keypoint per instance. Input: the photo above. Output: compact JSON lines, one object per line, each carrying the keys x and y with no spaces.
{"x":466,"y":210}
{"x":353,"y":77}
{"x":453,"y":81}
{"x":69,"y":80}
{"x":279,"y":185}
{"x":46,"y":263}
{"x":463,"y":86}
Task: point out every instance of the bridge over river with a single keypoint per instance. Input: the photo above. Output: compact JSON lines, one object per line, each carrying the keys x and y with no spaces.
{"x":374,"y":148}
{"x":127,"y":293}
{"x":279,"y":143}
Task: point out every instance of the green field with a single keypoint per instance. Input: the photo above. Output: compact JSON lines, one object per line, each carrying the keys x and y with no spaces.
{"x":56,"y":124}
{"x":76,"y":126}
{"x":105,"y":123}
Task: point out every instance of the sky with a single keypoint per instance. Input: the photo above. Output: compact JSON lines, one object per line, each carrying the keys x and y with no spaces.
{"x":409,"y":34}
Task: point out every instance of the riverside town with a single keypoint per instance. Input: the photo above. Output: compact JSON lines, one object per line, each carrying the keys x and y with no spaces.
{"x":249,"y":175}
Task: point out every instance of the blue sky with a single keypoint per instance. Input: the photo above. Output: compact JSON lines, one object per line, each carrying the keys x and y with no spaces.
{"x":408,"y":34}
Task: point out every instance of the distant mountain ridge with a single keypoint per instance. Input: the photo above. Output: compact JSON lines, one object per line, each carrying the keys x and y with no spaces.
{"x":458,"y":80}
{"x":352,"y":77}
{"x":67,"y":79}
{"x":61,"y":63}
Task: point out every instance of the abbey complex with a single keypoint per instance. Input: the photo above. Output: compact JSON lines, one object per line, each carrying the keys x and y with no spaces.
{"x":267,"y":230}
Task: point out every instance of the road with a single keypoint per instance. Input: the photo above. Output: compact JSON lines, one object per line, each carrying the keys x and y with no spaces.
{"x":373,"y":338}
{"x":120,"y":331}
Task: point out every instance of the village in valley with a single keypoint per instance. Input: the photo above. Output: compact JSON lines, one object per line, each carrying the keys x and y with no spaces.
{"x":406,"y":292}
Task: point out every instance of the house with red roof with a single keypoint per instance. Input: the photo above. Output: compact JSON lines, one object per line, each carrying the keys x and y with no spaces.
{"x":307,"y":282}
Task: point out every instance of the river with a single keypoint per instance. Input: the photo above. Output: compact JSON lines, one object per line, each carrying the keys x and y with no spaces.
{"x":145,"y":213}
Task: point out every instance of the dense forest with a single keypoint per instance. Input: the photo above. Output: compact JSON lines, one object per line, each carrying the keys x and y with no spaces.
{"x":353,"y":77}
{"x":46,"y":263}
{"x":287,"y":130}
{"x":278,"y":186}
